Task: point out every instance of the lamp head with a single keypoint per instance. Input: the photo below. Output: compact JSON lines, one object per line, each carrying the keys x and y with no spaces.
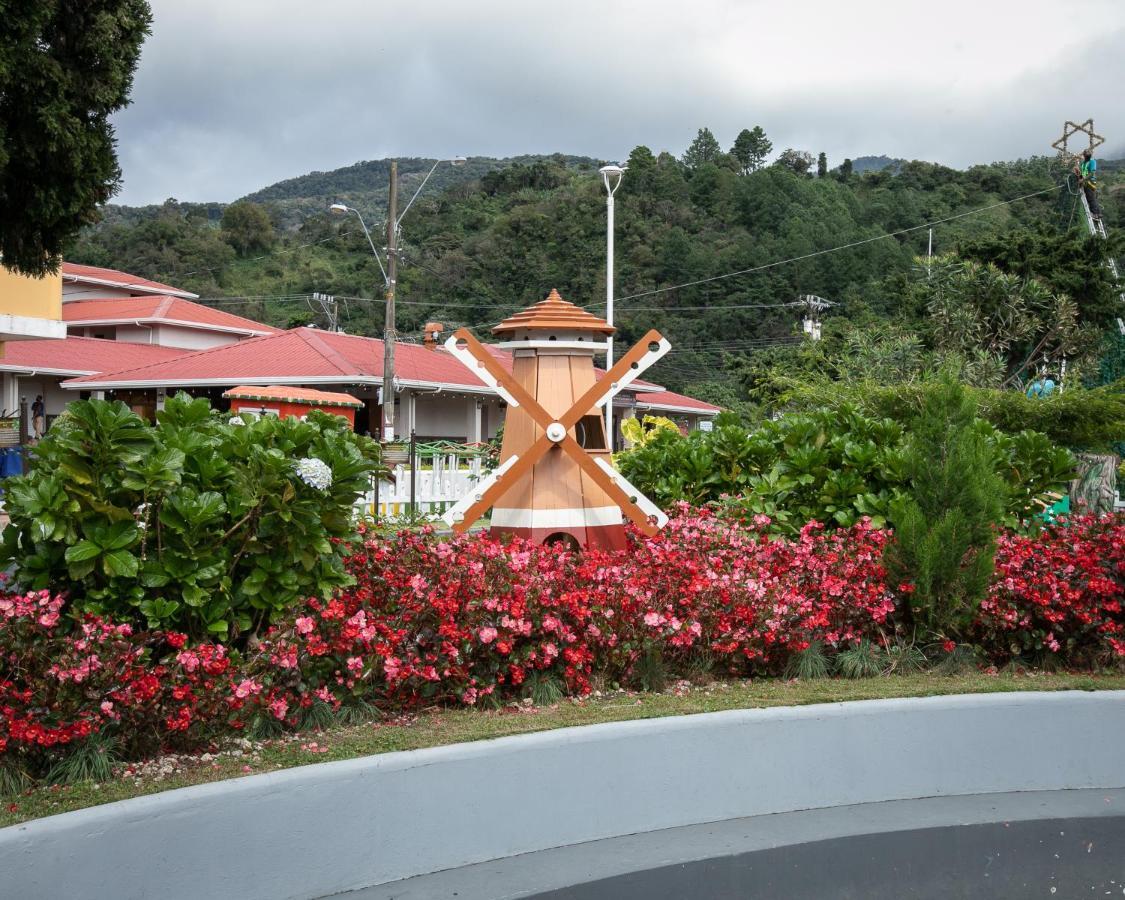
{"x":338,"y":209}
{"x":458,"y":161}
{"x":611,"y":177}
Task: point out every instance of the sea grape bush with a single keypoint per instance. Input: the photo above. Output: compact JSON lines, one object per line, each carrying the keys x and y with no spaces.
{"x":835,"y":466}
{"x":473,"y":621}
{"x":1059,"y":593}
{"x":202,"y":522}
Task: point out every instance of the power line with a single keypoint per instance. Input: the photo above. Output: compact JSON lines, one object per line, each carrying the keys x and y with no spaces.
{"x":848,"y":246}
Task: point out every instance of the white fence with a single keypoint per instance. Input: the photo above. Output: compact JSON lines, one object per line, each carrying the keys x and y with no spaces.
{"x":438,"y":480}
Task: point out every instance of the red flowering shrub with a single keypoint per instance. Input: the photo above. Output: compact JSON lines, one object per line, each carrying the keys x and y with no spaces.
{"x":445,"y":620}
{"x":57,"y":691}
{"x":1059,"y":591}
{"x":64,"y":681}
{"x":456,"y":621}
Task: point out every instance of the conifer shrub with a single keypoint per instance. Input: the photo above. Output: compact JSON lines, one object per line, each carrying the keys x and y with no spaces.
{"x":946,"y":519}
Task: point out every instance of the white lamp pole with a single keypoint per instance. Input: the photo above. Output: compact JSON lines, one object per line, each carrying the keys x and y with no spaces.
{"x":611,"y":177}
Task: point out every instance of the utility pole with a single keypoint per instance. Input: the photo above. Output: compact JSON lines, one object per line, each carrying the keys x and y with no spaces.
{"x":330,"y":308}
{"x":389,"y":324}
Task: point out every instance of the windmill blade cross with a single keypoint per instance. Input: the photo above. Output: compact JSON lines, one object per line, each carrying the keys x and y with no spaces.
{"x":475,"y":356}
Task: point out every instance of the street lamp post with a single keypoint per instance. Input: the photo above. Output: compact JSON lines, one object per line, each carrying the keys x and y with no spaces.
{"x":390,"y":280}
{"x":611,"y":177}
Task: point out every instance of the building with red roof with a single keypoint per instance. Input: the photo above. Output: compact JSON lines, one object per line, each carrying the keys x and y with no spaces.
{"x":139,"y":340}
{"x":159,"y":319}
{"x":35,"y":368}
{"x":113,"y":320}
{"x":437,"y":396}
{"x":81,"y":282}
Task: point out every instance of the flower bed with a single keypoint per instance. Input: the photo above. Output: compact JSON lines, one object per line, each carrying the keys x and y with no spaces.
{"x":471,"y":620}
{"x":1059,"y":592}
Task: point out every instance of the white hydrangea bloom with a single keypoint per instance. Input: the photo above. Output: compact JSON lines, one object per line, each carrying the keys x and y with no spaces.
{"x":315,"y":473}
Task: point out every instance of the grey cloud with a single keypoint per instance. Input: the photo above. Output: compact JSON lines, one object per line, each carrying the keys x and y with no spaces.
{"x":231,"y":97}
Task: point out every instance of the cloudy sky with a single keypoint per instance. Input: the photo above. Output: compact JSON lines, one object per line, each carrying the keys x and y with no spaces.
{"x":232,"y":95}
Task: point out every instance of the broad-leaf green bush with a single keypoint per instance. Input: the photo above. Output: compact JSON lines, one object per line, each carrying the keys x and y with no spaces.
{"x":1079,"y":419}
{"x":833,"y":465}
{"x":202,"y":522}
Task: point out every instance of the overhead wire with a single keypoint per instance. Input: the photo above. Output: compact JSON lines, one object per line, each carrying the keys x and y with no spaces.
{"x":848,"y":246}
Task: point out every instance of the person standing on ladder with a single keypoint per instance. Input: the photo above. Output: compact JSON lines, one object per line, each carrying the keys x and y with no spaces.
{"x":1087,"y":172}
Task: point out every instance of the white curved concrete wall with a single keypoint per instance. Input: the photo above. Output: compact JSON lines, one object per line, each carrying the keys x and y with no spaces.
{"x":323,"y":829}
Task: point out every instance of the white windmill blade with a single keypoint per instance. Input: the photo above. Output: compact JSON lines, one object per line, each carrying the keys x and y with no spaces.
{"x":639,"y":500}
{"x":635,"y":371}
{"x":456,"y":512}
{"x":474,"y":365}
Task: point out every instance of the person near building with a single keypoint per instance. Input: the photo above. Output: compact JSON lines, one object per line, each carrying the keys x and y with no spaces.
{"x":1087,"y":172}
{"x":38,"y":417}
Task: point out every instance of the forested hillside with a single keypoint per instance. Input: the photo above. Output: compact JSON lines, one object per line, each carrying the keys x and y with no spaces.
{"x":493,"y":236}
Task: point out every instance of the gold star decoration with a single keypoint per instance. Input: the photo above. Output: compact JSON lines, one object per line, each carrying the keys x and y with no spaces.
{"x":1072,"y":128}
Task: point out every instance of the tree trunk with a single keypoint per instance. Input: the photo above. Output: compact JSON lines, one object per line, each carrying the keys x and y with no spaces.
{"x":1095,"y":488}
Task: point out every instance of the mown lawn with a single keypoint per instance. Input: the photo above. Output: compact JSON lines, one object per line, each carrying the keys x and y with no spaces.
{"x":435,"y":727}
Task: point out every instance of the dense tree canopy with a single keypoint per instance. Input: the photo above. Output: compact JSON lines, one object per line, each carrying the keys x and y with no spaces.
{"x":247,"y":227}
{"x":485,"y":247}
{"x":65,"y":66}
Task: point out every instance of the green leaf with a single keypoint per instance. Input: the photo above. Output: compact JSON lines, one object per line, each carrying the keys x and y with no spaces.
{"x":194,"y":595}
{"x":118,"y":536}
{"x":153,"y":575}
{"x":120,"y":564}
{"x":82,"y":551}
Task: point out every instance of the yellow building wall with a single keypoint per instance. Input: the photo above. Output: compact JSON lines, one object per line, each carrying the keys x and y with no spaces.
{"x":37,"y":298}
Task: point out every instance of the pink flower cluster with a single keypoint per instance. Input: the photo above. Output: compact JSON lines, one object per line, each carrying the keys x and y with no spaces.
{"x":432,"y":620}
{"x":471,"y":620}
{"x":1060,"y":591}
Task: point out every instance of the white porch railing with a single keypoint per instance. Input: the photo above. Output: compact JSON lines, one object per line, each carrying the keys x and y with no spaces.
{"x":437,"y":481}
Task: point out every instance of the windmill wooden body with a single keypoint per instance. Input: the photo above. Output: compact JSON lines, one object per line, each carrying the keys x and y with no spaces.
{"x":555,"y":481}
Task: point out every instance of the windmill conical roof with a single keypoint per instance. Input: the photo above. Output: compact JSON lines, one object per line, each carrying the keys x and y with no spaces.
{"x":554,"y":313}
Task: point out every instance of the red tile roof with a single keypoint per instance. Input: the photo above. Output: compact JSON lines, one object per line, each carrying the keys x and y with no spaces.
{"x":96,"y":275}
{"x":159,"y":308}
{"x":301,"y":356}
{"x":309,"y":356}
{"x":292,"y":395}
{"x":80,"y":356}
{"x":677,"y":402}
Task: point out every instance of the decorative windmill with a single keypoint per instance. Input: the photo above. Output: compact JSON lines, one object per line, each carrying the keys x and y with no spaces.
{"x":555,"y":481}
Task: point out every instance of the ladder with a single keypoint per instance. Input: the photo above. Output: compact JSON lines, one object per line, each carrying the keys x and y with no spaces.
{"x":1097,"y":229}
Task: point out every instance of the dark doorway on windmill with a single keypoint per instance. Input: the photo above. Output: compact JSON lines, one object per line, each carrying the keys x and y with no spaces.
{"x":590,"y":433}
{"x":562,"y":541}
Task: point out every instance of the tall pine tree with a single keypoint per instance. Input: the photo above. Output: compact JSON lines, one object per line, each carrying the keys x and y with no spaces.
{"x":703,"y":149}
{"x":751,"y":148}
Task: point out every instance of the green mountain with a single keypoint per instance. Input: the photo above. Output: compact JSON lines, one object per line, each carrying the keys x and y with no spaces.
{"x":862,"y":164}
{"x":365,"y":184}
{"x":486,"y":239}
